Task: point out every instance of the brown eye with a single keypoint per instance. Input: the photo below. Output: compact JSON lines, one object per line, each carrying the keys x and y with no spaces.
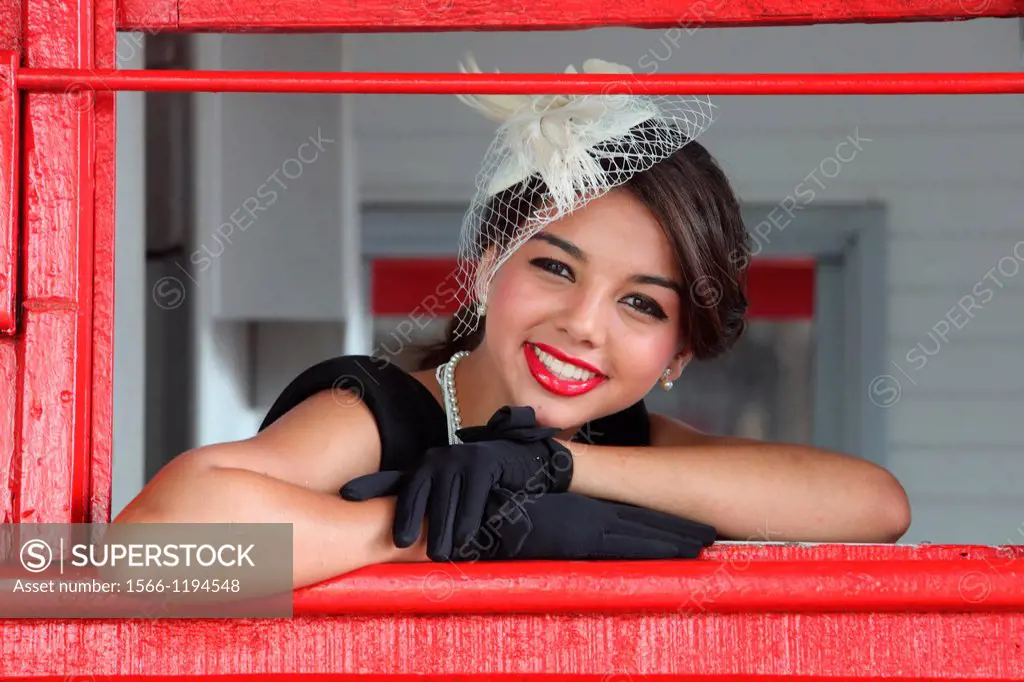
{"x":557,"y":268}
{"x":646,"y":306}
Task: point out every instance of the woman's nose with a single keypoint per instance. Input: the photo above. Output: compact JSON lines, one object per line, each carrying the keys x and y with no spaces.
{"x":583,"y":320}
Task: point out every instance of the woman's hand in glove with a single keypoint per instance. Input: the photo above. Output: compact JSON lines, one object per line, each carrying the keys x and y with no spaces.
{"x":455,"y":481}
{"x":568,"y":526}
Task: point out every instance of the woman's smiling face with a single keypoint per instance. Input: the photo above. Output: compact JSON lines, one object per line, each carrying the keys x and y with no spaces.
{"x":584,"y":318}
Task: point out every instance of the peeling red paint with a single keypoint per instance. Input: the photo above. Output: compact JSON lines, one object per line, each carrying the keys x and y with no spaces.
{"x":9,"y":391}
{"x":151,"y":15}
{"x":516,"y":648}
{"x":52,"y":453}
{"x":9,"y":192}
{"x":457,"y":15}
{"x":731,"y":579}
{"x":91,"y":496}
{"x":765,"y":612}
{"x":45,"y":448}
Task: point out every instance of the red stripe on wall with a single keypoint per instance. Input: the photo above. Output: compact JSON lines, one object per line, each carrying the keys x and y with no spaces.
{"x":778,"y":289}
{"x":781,"y":289}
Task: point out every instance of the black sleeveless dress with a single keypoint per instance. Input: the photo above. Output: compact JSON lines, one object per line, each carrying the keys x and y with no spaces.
{"x":410,"y":420}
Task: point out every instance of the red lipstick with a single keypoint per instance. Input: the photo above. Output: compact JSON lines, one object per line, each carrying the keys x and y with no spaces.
{"x":552,"y":382}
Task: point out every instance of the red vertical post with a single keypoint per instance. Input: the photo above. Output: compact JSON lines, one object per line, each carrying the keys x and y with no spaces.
{"x":67,"y":253}
{"x":9,"y":99}
{"x":10,"y":42}
{"x":101,"y":422}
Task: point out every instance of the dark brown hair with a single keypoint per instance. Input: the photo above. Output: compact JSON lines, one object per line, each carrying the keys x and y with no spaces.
{"x":694,"y":202}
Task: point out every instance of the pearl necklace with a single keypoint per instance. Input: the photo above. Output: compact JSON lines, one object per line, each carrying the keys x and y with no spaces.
{"x":445,"y":375}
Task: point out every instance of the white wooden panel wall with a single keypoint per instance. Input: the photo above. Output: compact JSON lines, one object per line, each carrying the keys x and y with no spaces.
{"x":276,"y":237}
{"x":955,"y":437}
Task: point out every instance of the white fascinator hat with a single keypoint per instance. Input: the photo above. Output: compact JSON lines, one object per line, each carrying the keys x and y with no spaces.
{"x":553,"y":154}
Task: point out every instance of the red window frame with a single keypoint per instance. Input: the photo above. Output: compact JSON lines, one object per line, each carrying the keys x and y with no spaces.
{"x":810,"y":612}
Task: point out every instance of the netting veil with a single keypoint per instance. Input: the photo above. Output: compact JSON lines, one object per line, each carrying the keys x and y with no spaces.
{"x":552,"y":155}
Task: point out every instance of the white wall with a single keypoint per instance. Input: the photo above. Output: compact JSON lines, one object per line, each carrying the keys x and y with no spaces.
{"x":947,"y":169}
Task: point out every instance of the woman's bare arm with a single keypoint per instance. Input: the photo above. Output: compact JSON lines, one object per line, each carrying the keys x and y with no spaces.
{"x":749,"y":490}
{"x":289,"y":473}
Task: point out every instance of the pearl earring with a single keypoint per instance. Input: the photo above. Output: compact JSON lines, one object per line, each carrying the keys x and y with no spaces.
{"x":481,"y":300}
{"x":665,"y":383}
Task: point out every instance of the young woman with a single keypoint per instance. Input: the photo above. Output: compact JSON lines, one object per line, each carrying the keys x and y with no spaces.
{"x":604,"y":251}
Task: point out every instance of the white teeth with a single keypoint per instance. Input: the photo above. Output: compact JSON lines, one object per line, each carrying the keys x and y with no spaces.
{"x":563,"y":369}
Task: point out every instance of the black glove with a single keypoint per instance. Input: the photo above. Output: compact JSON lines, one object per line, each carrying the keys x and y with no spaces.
{"x":511,"y":451}
{"x":567,"y":526}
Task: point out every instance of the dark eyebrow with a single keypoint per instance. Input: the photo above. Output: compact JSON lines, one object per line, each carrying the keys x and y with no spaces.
{"x":659,"y":281}
{"x":570,"y":248}
{"x":577,"y":253}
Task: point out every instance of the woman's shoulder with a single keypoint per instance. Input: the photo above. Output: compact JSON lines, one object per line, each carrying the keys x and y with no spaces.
{"x":409,"y":418}
{"x":353,"y":377}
